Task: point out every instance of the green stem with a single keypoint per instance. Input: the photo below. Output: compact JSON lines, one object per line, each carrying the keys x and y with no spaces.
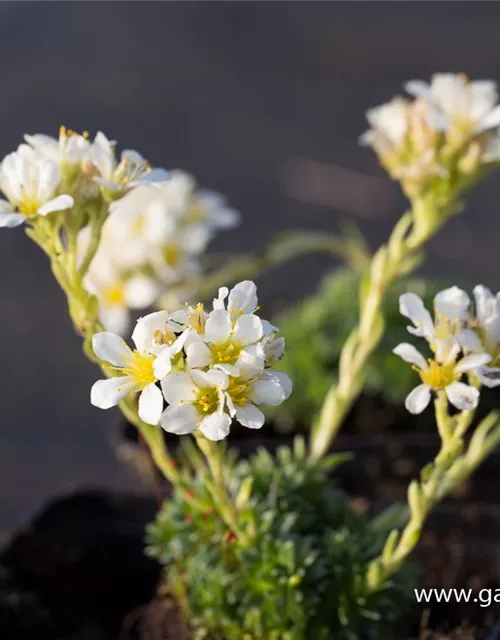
{"x":450,"y":468}
{"x":84,"y":312}
{"x":223,"y":502}
{"x":398,"y":258}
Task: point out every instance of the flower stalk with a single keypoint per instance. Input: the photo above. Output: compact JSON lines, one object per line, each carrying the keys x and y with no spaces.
{"x":398,"y":258}
{"x":450,"y":468}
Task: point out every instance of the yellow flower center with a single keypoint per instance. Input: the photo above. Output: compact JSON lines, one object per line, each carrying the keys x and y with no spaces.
{"x":439,"y":376}
{"x":226,"y":352}
{"x":172,"y":254}
{"x":196,"y":213}
{"x":138,"y":226}
{"x":28,"y":206}
{"x":164,"y":337}
{"x":207,"y":400}
{"x":114,"y":296}
{"x":140,"y":368}
{"x":239,"y":391}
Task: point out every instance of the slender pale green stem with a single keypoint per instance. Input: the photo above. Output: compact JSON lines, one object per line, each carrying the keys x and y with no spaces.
{"x":222,"y":500}
{"x":398,"y":258}
{"x":450,"y":468}
{"x":84,"y":311}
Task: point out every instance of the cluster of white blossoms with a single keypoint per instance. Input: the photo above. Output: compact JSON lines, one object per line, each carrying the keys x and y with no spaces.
{"x":45,"y":174}
{"x":209,"y":367}
{"x":464,"y":338}
{"x":158,"y":222}
{"x":451,"y":120}
{"x":152,"y":242}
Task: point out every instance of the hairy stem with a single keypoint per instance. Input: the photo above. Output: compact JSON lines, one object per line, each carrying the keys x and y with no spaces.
{"x":399,"y":257}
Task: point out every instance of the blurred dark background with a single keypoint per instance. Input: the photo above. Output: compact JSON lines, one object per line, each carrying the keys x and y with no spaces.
{"x":261,"y":101}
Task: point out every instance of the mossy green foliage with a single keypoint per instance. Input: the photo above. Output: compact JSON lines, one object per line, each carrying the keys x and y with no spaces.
{"x":302,"y":578}
{"x":315,"y":331}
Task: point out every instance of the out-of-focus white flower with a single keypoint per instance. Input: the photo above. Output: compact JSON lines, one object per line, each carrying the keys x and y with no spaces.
{"x":71,"y":147}
{"x":118,"y":291}
{"x":483,"y":334}
{"x":30,"y":182}
{"x":441,"y":375}
{"x":389,"y":125}
{"x":138,"y":370}
{"x":132,"y":170}
{"x":469,"y":107}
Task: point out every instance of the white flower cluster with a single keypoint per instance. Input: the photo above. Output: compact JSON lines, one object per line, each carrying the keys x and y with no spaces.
{"x":451,"y":119}
{"x":158,"y":222}
{"x":45,"y":175}
{"x":211,"y":367}
{"x":463,"y":338}
{"x":151,"y":242}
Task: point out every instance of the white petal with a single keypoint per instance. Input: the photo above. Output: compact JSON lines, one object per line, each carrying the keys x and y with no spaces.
{"x":215,"y":426}
{"x":57,"y":204}
{"x":489,"y":376}
{"x":490,"y":121}
{"x":198,"y":355}
{"x":285,"y":382}
{"x":150,"y":404}
{"x":251,"y":361}
{"x":11,"y":220}
{"x":418,"y":399}
{"x":248,"y":329}
{"x":472,"y":361}
{"x":250,"y":416}
{"x":409,"y":353}
{"x":269,"y":390}
{"x":229,"y":369}
{"x":111,"y":348}
{"x":178,"y":388}
{"x":115,"y":319}
{"x":242,"y":299}
{"x":140,"y":292}
{"x":462,"y":396}
{"x":162,"y":365}
{"x":452,"y":303}
{"x":412,"y":307}
{"x":108,"y":393}
{"x":218,"y":302}
{"x":218,"y":326}
{"x":180,"y":419}
{"x":144,"y":332}
{"x":211,"y":378}
{"x":469,"y":341}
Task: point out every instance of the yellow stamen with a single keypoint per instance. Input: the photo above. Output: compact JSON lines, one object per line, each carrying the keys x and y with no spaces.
{"x":140,"y":368}
{"x":439,"y":376}
{"x":114,"y":296}
{"x":226,"y":352}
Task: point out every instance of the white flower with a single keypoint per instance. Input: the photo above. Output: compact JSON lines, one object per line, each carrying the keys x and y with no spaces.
{"x":211,"y":209}
{"x":132,"y":169}
{"x":441,"y":375}
{"x":231,"y":337}
{"x":71,"y":147}
{"x":139,"y":370}
{"x":117,"y":290}
{"x":389,"y":124}
{"x":30,"y":183}
{"x":455,"y":102}
{"x":483,"y":334}
{"x":451,"y":312}
{"x":199,"y":399}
